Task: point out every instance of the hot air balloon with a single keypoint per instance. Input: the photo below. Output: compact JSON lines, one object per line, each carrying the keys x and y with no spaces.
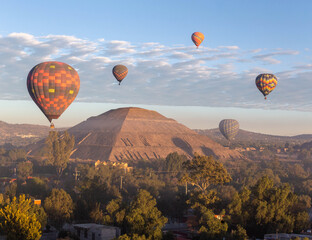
{"x":53,"y":86}
{"x":266,"y":82}
{"x":197,"y":38}
{"x":120,"y":72}
{"x":229,"y":128}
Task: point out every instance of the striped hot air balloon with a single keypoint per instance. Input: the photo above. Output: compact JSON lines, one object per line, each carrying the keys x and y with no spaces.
{"x":120,"y":72}
{"x":266,"y":82}
{"x":53,"y":86}
{"x":197,"y":38}
{"x":229,"y":128}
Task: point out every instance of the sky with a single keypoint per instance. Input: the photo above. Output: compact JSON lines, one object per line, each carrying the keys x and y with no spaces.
{"x":197,"y":87}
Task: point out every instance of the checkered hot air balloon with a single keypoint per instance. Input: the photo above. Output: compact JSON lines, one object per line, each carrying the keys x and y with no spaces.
{"x":197,"y":38}
{"x":120,"y":72}
{"x":266,"y":82}
{"x":229,"y":128}
{"x":53,"y":86}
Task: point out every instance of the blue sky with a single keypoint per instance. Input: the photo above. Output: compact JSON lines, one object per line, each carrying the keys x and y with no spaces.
{"x":197,"y":87}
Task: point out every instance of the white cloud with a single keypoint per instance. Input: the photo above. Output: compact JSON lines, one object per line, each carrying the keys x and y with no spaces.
{"x":267,"y":58}
{"x":229,"y":47}
{"x":159,"y":75}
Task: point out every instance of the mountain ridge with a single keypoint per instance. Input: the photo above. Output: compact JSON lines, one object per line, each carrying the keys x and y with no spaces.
{"x":244,"y":136}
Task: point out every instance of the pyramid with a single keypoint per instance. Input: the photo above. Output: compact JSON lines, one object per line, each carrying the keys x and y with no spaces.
{"x":126,"y":134}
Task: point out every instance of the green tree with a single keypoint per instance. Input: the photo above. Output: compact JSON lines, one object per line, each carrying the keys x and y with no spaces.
{"x":16,"y":154}
{"x":239,"y":234}
{"x":210,"y":226}
{"x":302,"y":222}
{"x":59,"y":150}
{"x":202,"y":171}
{"x":143,"y":218}
{"x":40,"y":215}
{"x":35,"y":187}
{"x":10,"y":190}
{"x":174,"y":162}
{"x":133,"y":237}
{"x":59,"y":206}
{"x":18,"y":221}
{"x":265,"y":208}
{"x":115,"y":213}
{"x":24,"y":170}
{"x":96,"y":214}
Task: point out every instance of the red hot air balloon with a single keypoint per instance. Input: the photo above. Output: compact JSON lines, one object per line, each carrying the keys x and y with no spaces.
{"x":197,"y":38}
{"x":53,"y":86}
{"x":120,"y":72}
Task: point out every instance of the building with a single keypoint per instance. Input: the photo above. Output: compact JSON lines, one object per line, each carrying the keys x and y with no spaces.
{"x":121,"y":165}
{"x":286,"y":236}
{"x":92,"y":231}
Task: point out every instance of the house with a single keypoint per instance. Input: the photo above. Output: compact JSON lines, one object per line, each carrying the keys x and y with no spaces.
{"x":92,"y":231}
{"x":286,"y":236}
{"x":122,"y":165}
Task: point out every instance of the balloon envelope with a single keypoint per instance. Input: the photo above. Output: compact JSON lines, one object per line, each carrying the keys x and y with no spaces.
{"x":197,"y":38}
{"x":53,"y":86}
{"x":229,"y":128}
{"x":120,"y":72}
{"x":266,"y":82}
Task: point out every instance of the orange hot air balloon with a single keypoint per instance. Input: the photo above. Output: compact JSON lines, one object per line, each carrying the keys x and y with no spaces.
{"x":53,"y":86}
{"x":197,"y":38}
{"x":120,"y":72}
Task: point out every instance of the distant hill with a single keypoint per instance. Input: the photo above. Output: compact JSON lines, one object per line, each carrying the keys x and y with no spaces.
{"x":134,"y":134}
{"x":21,"y":134}
{"x":244,"y":136}
{"x":306,"y":145}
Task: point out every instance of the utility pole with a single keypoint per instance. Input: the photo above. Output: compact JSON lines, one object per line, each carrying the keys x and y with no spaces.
{"x":120,"y":182}
{"x":186,"y":188}
{"x":76,"y":174}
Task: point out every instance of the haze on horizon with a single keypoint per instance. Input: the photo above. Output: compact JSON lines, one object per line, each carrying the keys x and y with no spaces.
{"x":197,"y":87}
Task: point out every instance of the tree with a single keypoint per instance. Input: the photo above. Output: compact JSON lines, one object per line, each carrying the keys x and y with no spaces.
{"x":24,"y":170}
{"x":210,"y":226}
{"x":143,"y":218}
{"x":16,"y":154}
{"x":35,"y":187}
{"x":18,"y":221}
{"x":59,"y":150}
{"x":202,"y":171}
{"x":265,"y":208}
{"x":133,"y":237}
{"x":174,"y":162}
{"x":115,"y":214}
{"x":10,"y":190}
{"x":96,"y":214}
{"x":59,"y":206}
{"x":239,"y":234}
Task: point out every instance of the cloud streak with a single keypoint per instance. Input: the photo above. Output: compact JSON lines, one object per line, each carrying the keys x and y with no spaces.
{"x":158,"y":74}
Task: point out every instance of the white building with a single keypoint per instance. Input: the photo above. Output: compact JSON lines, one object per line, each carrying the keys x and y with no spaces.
{"x":286,"y":236}
{"x":92,"y":231}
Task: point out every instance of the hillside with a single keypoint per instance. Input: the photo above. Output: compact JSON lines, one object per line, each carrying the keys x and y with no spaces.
{"x":244,"y":136}
{"x":21,"y":134}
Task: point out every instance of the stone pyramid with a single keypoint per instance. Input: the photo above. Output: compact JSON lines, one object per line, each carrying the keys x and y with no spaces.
{"x":126,"y":134}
